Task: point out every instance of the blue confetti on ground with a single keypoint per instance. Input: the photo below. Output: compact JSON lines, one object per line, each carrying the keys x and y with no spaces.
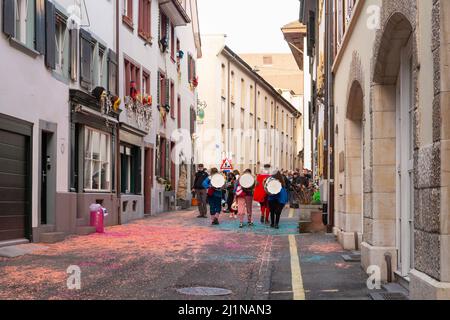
{"x":286,"y":228}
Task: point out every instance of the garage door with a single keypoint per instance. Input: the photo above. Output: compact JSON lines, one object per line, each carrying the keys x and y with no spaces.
{"x":13,"y":185}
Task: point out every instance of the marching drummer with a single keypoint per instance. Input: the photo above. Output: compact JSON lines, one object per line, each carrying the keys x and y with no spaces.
{"x":244,"y":197}
{"x":260,"y":194}
{"x":277,"y":201}
{"x":214,"y":194}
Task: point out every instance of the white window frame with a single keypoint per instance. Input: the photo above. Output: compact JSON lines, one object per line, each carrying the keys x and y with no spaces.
{"x":61,"y":35}
{"x":405,"y":163}
{"x":90,"y":158}
{"x":22,"y":18}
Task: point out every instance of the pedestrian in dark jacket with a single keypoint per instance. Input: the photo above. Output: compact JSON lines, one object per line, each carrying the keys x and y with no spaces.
{"x":278,"y":202}
{"x":214,"y":198}
{"x":200,"y":191}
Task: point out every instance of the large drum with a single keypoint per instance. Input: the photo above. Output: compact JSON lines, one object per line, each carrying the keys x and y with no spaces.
{"x":272,"y":186}
{"x":218,"y":181}
{"x":247,"y":181}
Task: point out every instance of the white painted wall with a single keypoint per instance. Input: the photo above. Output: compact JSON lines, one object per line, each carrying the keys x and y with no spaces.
{"x":152,"y":59}
{"x":210,"y":150}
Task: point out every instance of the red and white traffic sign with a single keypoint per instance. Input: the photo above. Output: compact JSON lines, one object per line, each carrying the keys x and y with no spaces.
{"x":226,"y":165}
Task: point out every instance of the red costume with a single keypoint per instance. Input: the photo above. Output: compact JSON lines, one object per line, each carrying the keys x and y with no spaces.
{"x":261,"y":196}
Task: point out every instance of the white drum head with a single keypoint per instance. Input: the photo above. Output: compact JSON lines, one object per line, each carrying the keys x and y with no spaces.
{"x":273,"y":186}
{"x":218,"y":181}
{"x":247,"y":181}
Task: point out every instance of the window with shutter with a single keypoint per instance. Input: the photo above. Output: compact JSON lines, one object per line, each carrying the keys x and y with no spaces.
{"x":87,"y":53}
{"x":8,"y":18}
{"x":24,"y":20}
{"x":112,"y":72}
{"x":127,"y":16}
{"x":179,"y":111}
{"x":146,"y":82}
{"x":162,"y":90}
{"x":172,"y":99}
{"x":167,"y":92}
{"x":158,"y":156}
{"x":163,"y":26}
{"x":50,"y":35}
{"x":167,"y":160}
{"x":40,"y":26}
{"x":73,"y":54}
{"x":145,"y":19}
{"x":158,"y":88}
{"x":189,"y":68}
{"x":132,"y":73}
{"x":172,"y":42}
{"x":62,"y":45}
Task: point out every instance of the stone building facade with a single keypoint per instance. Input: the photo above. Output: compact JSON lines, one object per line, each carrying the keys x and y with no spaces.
{"x":391,"y":95}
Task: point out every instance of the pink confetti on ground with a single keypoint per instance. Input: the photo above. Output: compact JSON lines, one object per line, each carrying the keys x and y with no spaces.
{"x":165,"y":240}
{"x":325,"y":248}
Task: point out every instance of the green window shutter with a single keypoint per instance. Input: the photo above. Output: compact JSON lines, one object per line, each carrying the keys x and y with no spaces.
{"x":8,"y":17}
{"x":86,"y":59}
{"x":73,"y":47}
{"x":112,"y":72}
{"x":50,"y":43}
{"x":137,"y":170}
{"x":104,"y":83}
{"x":158,"y":86}
{"x":95,"y":67}
{"x":66,"y":53}
{"x":40,"y":26}
{"x":31,"y":15}
{"x":189,"y":68}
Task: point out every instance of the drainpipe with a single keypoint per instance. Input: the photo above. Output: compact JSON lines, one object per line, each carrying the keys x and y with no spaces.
{"x":228,"y":143}
{"x":119,"y":214}
{"x":330,"y":116}
{"x":255,"y":123}
{"x":388,"y":259}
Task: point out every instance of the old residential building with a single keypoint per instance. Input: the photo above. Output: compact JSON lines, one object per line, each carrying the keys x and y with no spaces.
{"x":295,"y":35}
{"x":245,"y":118}
{"x":76,"y":146}
{"x":282,"y":72}
{"x":390,"y":93}
{"x":159,"y":46}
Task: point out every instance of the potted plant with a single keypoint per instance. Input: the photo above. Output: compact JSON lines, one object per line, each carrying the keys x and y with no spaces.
{"x":195,"y":82}
{"x":180,"y":54}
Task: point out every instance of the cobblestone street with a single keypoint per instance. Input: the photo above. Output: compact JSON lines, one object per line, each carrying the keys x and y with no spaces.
{"x":153,"y":258}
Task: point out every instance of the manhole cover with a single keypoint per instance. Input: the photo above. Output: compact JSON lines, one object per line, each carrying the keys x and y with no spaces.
{"x":388,"y":296}
{"x":204,"y":291}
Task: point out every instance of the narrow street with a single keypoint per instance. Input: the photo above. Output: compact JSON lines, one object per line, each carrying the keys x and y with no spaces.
{"x":155,"y":257}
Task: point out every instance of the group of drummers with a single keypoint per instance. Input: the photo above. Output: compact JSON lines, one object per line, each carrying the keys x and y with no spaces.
{"x":234,"y":193}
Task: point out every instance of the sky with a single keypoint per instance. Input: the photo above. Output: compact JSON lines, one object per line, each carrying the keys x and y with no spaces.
{"x":251,"y":26}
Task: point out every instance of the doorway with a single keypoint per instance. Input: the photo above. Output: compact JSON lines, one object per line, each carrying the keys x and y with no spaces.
{"x":405,"y":164}
{"x":48,"y":178}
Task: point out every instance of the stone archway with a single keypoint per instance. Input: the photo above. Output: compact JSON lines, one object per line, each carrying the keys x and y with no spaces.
{"x":351,"y":220}
{"x":380,"y":175}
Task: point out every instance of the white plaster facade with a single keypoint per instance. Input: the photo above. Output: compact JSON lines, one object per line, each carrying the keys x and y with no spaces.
{"x":246,"y":119}
{"x":44,"y":98}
